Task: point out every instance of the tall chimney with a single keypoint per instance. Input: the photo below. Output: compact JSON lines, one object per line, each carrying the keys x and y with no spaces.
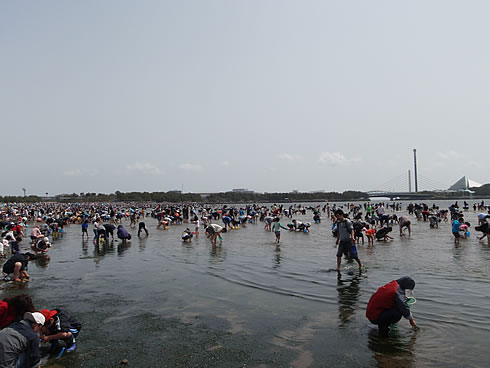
{"x":409,"y":181}
{"x":415,"y":169}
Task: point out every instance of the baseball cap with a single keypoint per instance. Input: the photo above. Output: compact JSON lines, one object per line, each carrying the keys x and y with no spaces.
{"x":48,"y":314}
{"x":35,"y":317}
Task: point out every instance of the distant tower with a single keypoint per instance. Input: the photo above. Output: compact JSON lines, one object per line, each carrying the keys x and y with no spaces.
{"x":415,"y":169}
{"x":409,"y":181}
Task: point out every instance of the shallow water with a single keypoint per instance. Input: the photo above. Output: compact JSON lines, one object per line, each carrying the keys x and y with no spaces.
{"x":159,"y":302}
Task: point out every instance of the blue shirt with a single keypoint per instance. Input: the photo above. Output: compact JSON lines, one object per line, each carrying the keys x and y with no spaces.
{"x":456,"y":226}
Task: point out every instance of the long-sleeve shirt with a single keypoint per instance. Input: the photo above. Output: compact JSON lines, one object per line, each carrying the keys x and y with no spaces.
{"x":17,"y":339}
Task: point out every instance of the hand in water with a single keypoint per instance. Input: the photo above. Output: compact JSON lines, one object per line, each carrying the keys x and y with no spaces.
{"x":413,"y":324}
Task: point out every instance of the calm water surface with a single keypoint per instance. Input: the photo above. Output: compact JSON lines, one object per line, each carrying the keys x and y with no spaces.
{"x":159,"y":302}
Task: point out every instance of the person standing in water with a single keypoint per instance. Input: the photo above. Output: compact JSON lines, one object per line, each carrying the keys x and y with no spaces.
{"x":276,"y":228}
{"x":455,"y":228}
{"x":346,"y":240}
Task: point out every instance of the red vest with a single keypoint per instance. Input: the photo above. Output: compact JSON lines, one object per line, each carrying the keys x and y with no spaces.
{"x":382,"y":299}
{"x":7,"y":314}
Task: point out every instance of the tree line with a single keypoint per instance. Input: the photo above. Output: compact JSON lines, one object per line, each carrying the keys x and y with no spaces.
{"x":227,"y":197}
{"x":222,"y":197}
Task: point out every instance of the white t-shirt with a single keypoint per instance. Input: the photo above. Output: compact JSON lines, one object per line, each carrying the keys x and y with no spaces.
{"x":216,"y":227}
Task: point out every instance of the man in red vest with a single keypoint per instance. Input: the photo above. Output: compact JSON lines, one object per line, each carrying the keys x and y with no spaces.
{"x":389,"y":303}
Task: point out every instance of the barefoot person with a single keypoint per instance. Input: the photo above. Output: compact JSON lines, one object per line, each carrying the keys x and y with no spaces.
{"x":214,"y":231}
{"x":404,"y":222}
{"x":276,"y":228}
{"x":17,"y":265}
{"x":345,"y":239}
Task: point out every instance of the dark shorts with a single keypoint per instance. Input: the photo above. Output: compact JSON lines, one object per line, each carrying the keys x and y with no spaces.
{"x":456,"y":235}
{"x":278,"y":233}
{"x":348,"y":248}
{"x":8,"y":268}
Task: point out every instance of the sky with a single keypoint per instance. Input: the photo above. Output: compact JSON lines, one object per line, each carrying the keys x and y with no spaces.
{"x":273,"y":96}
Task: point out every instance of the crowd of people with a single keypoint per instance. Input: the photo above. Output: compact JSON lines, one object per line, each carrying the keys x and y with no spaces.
{"x":23,"y":327}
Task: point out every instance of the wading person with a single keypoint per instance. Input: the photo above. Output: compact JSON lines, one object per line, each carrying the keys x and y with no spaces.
{"x":123,"y":234}
{"x":109,"y":230}
{"x":276,"y":228}
{"x":142,"y":227}
{"x":389,"y":303}
{"x":214,"y":231}
{"x":404,"y":222}
{"x":346,"y":240}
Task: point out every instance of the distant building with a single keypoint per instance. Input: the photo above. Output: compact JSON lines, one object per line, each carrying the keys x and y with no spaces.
{"x":464,"y":184}
{"x":242,"y":190}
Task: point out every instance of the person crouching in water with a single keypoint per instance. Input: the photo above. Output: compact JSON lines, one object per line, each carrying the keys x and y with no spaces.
{"x":60,"y":326}
{"x":389,"y":303}
{"x":123,"y":234}
{"x":187,"y":235}
{"x":404,"y":222}
{"x":17,"y":265}
{"x":382,"y":234}
{"x":213,"y":231}
{"x":345,"y":239}
{"x":41,"y":245}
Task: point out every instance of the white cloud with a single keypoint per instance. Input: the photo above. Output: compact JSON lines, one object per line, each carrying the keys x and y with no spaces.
{"x":144,"y":168}
{"x":289,"y":157}
{"x":78,"y":172}
{"x":73,"y":172}
{"x":336,"y":158}
{"x":190,"y":167}
{"x":475,"y":164}
{"x":449,"y":155}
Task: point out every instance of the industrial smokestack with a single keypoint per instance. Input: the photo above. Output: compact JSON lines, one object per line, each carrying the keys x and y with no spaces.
{"x":415,"y":169}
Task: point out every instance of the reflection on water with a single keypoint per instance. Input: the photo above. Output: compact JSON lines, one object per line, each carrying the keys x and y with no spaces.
{"x":393,"y":351}
{"x":349,"y":291}
{"x":216,"y":253}
{"x":42,"y":260}
{"x":122,"y":247}
{"x":277,"y":256}
{"x":275,"y":302}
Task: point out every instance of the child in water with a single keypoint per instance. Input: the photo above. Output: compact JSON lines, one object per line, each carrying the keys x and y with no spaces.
{"x":455,"y":229}
{"x":60,"y":326}
{"x":276,"y":227}
{"x":187,"y":235}
{"x":370,"y":233}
